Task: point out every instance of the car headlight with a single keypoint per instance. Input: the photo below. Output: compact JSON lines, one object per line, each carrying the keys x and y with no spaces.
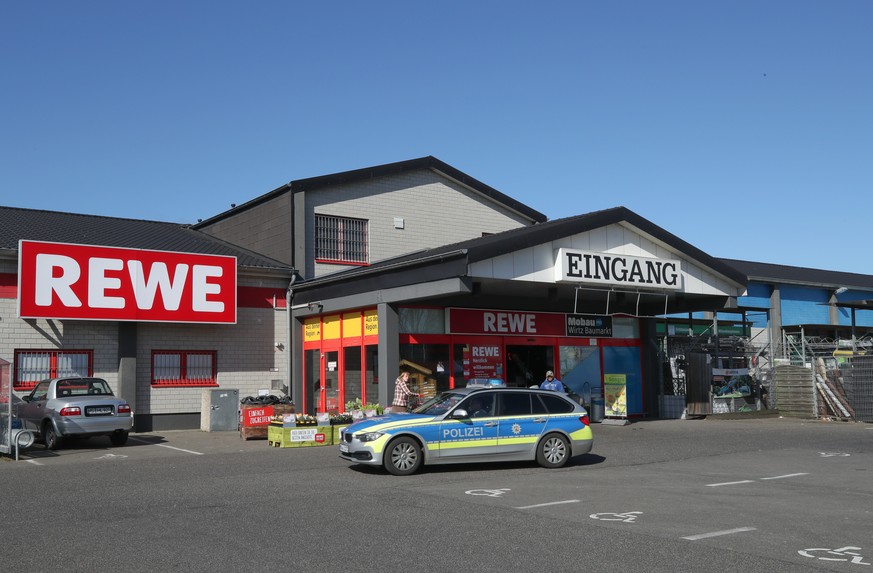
{"x":369,"y":436}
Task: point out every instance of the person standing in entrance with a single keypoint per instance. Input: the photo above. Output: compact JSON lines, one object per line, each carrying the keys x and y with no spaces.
{"x":401,"y":393}
{"x":552,"y":383}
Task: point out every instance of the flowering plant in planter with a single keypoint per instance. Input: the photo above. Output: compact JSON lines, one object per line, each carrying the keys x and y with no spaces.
{"x":357,"y":404}
{"x":341,"y":419}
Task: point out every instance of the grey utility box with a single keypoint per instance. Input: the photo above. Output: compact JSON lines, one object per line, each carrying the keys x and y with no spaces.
{"x":219,"y":410}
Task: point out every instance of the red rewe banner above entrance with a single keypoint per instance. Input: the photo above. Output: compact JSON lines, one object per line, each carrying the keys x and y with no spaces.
{"x":87,"y":282}
{"x":506,"y":322}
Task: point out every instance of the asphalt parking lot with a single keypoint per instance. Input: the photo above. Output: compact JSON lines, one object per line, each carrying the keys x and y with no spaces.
{"x":672,"y":495}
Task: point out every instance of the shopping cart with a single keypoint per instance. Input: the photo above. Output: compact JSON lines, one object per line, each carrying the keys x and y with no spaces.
{"x":413,"y":402}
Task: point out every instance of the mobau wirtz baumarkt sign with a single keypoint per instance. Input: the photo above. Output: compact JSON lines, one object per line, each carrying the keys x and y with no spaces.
{"x":608,"y":269}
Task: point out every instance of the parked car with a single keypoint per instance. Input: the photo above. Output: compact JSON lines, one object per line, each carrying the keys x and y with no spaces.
{"x":75,"y":407}
{"x":473,"y":425}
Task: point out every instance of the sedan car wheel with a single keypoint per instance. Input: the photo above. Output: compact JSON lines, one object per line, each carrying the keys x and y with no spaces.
{"x":403,"y":457}
{"x":50,"y":437}
{"x":553,"y":451}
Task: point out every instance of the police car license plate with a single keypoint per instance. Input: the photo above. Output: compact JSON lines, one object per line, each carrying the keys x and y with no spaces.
{"x":344,"y":448}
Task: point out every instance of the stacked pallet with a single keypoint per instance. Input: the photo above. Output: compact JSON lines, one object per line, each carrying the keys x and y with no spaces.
{"x":833,"y":403}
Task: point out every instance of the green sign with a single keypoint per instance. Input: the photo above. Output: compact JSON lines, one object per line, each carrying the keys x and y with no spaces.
{"x":615,"y":394}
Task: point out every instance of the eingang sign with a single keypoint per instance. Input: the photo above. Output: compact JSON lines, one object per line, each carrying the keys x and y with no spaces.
{"x":576,"y":266}
{"x":88,"y":282}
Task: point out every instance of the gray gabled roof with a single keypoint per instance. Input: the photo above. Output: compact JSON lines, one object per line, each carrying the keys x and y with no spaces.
{"x":772,"y":273}
{"x":53,"y":226}
{"x":368,"y":173}
{"x":490,"y":246}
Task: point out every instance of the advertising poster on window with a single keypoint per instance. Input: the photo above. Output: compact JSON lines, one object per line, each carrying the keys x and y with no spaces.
{"x":483,"y":361}
{"x":615,"y":395}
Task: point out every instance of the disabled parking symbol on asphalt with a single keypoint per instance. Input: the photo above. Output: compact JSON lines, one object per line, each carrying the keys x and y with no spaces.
{"x":626,"y":517}
{"x":488,"y":492}
{"x":841,"y":554}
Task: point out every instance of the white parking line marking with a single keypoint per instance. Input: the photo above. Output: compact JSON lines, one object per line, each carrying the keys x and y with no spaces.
{"x":718,"y":533}
{"x":550,"y":503}
{"x":34,"y":462}
{"x":729,"y":483}
{"x":785,"y":476}
{"x":170,"y":447}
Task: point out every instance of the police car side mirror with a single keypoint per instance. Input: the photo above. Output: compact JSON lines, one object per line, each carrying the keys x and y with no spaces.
{"x":460,"y":414}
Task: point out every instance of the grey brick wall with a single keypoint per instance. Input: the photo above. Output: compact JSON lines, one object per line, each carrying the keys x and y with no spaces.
{"x":247,"y":357}
{"x":40,"y":334}
{"x":435,"y":211}
{"x":264,"y":228}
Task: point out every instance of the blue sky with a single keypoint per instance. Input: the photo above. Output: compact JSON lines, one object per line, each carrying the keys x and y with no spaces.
{"x":744,"y":128}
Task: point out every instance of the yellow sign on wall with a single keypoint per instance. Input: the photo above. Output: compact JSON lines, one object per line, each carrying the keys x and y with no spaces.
{"x":334,"y":327}
{"x":312,"y":329}
{"x":351,"y":324}
{"x":331,"y":327}
{"x":371,"y":322}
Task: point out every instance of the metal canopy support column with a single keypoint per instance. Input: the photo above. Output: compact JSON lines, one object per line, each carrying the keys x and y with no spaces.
{"x":389,"y":350}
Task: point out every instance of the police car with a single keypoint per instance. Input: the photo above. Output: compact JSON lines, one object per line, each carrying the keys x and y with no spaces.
{"x":473,"y":425}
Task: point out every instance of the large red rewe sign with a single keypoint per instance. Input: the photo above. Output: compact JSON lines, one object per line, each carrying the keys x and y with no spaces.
{"x":87,"y":282}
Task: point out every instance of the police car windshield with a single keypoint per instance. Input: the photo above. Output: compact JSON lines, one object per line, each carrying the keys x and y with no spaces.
{"x":440,"y":404}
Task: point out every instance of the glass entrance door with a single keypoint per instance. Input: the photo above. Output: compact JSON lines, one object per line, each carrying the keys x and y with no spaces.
{"x":526,"y":365}
{"x":330,"y":389}
{"x":581,"y":373}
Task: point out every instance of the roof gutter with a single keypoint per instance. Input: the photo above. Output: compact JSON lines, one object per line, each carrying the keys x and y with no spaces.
{"x":343,"y":276}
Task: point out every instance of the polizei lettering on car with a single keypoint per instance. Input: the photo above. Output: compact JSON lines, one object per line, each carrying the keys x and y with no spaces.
{"x":449,"y":433}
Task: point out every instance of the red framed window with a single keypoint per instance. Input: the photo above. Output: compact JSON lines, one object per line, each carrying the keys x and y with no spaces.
{"x":184,"y":368}
{"x":31,"y":366}
{"x":341,"y":240}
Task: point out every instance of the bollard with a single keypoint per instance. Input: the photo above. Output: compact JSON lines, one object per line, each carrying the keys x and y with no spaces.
{"x":21,"y":440}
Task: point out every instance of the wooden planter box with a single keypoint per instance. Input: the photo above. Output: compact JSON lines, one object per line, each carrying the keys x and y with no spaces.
{"x":337,"y":433}
{"x":299,"y":436}
{"x":254,"y":420}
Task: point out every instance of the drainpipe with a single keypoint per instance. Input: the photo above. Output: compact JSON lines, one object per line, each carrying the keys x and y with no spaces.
{"x":289,"y":360}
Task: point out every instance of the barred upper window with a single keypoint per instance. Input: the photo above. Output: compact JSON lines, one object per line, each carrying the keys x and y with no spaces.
{"x":183,"y":368}
{"x":341,"y":240}
{"x":32,"y":366}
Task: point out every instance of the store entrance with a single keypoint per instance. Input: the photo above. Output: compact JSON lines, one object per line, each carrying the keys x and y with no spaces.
{"x":527,"y":365}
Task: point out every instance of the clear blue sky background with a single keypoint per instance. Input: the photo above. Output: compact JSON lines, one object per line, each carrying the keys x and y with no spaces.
{"x":743,"y":127}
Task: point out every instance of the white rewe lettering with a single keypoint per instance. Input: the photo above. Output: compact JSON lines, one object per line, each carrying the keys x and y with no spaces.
{"x":99,"y":283}
{"x":158,"y":280}
{"x":61,"y":285}
{"x":57,"y":274}
{"x":510,"y":322}
{"x":203,"y":288}
{"x":486,"y":351}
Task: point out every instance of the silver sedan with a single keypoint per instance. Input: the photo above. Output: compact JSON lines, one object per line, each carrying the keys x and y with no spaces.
{"x":75,"y":407}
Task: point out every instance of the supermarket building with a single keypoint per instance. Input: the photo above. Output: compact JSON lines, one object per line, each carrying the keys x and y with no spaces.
{"x":341,"y":280}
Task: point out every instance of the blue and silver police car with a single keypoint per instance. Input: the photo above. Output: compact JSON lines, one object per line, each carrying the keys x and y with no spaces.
{"x":473,"y":425}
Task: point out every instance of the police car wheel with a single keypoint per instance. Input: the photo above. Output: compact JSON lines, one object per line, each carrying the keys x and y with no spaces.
{"x":553,"y":451}
{"x":403,"y":457}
